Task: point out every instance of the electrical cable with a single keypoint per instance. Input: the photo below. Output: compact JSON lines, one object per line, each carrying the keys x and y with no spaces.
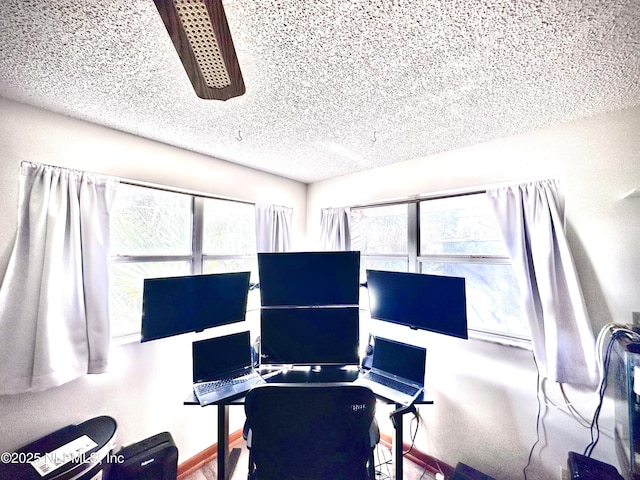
{"x":378,"y":467}
{"x":568,"y":404}
{"x":582,"y":420}
{"x":612,"y":328}
{"x":595,"y":427}
{"x":602,"y":363}
{"x":616,"y":332}
{"x":439,"y":470}
{"x":524,"y":470}
{"x":415,"y":419}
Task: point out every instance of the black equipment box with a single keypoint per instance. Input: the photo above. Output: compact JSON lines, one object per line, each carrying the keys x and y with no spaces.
{"x":465,"y":472}
{"x":622,"y":381}
{"x":155,"y":458}
{"x":586,"y":468}
{"x":78,"y":452}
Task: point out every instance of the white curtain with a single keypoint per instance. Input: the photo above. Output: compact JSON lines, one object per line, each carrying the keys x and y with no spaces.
{"x":54,"y":317}
{"x":532,"y":220}
{"x":335,"y":229}
{"x":273,"y":228}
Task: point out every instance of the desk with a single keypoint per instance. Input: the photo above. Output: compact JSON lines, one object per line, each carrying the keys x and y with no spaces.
{"x":226,"y":462}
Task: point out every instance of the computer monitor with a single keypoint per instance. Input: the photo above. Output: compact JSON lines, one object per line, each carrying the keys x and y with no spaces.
{"x":176,"y":305}
{"x":309,"y":336}
{"x":309,"y":278}
{"x":426,"y":302}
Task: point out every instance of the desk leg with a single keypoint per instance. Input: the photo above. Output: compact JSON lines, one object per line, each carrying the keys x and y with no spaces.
{"x":223,"y":441}
{"x":396,"y":447}
{"x":227,"y":461}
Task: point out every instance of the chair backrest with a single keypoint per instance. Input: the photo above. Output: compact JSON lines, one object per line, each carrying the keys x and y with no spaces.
{"x":310,"y":431}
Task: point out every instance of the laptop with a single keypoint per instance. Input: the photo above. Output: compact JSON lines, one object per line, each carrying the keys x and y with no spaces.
{"x":397,"y":370}
{"x":223,"y":368}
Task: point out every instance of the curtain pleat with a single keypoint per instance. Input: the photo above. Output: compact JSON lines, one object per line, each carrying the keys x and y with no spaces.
{"x":335,"y":229}
{"x":54,"y":298}
{"x":532,"y":220}
{"x":273,"y":228}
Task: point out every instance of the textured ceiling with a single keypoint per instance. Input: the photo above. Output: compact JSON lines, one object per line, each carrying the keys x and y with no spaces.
{"x":332,"y":86}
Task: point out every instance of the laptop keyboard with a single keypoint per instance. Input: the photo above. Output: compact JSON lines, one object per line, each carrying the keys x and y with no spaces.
{"x":208,"y":387}
{"x":391,"y":383}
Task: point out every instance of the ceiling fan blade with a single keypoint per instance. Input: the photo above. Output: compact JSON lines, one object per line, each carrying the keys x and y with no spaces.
{"x":200,"y":34}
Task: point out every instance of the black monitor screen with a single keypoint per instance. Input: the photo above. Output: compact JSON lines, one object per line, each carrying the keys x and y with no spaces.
{"x":309,"y":278}
{"x":427,"y":302}
{"x":401,"y":359}
{"x":175,"y":305}
{"x":309,"y":336}
{"x":215,"y":358}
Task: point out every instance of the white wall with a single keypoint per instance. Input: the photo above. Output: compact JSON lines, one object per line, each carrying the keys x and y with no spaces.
{"x":147,"y":383}
{"x":485,"y":408}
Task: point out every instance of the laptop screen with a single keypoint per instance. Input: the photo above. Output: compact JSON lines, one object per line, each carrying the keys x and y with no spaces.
{"x":401,"y":359}
{"x":215,"y":358}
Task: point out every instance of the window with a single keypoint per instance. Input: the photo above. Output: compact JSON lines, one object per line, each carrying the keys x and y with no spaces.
{"x":460,"y":236}
{"x":157,"y":233}
{"x":456,"y":236}
{"x":380,"y":234}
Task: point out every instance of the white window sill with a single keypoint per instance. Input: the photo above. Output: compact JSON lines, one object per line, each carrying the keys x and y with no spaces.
{"x":502,"y":339}
{"x":125,"y":339}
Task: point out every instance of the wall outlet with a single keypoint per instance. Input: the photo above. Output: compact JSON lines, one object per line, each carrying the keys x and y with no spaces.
{"x":635,"y":318}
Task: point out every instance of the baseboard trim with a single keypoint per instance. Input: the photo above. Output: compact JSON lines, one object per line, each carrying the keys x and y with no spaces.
{"x":208,"y":454}
{"x":421,"y":459}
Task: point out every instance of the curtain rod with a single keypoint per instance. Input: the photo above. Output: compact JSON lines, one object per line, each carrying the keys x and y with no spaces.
{"x":450,"y":193}
{"x":418,"y":198}
{"x":140,"y":183}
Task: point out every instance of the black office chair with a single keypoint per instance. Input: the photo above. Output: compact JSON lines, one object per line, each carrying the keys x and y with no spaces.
{"x":311,"y":432}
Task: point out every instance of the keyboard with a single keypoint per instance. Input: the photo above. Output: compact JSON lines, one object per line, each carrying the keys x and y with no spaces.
{"x":216,"y":385}
{"x":391,"y":383}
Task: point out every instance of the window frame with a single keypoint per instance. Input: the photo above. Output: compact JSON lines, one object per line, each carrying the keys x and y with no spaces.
{"x":196,"y":259}
{"x":416,"y":258}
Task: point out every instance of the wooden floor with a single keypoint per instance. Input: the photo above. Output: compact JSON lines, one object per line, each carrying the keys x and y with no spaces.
{"x":382,"y":457}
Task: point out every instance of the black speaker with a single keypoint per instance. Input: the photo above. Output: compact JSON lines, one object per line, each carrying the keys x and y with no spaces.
{"x":367,"y":360}
{"x":155,"y":458}
{"x":255,"y":353}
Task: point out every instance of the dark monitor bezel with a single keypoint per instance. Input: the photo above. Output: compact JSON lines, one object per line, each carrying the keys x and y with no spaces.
{"x":215,"y":299}
{"x":297,"y":351}
{"x":414,"y":291}
{"x":301,"y":279}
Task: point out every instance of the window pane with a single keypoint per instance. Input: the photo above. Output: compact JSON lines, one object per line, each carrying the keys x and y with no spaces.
{"x":146,"y":221}
{"x":126,"y":284}
{"x":389,"y":264}
{"x":378,"y":263}
{"x":237,"y":265}
{"x":232,"y":265}
{"x":229,"y":228}
{"x":380,"y":230}
{"x":493,"y":296}
{"x":463,"y":225}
